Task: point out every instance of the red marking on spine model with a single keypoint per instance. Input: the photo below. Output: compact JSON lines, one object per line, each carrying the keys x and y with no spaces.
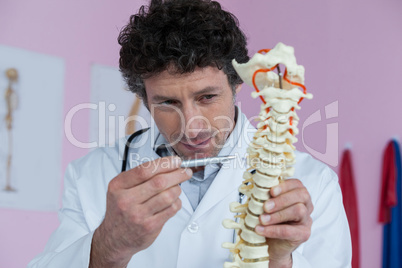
{"x":285,"y":77}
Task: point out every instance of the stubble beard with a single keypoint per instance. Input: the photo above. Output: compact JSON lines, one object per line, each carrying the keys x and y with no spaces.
{"x":217,"y":143}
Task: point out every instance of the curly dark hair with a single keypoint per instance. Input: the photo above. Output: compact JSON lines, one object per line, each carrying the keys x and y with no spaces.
{"x":183,"y":35}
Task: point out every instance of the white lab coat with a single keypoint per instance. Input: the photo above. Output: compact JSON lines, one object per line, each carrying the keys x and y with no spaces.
{"x":191,"y":239}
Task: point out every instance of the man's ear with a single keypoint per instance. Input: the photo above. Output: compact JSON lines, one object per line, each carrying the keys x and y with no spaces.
{"x":238,"y":88}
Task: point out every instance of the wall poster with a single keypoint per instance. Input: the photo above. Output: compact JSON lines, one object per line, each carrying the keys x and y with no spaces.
{"x":31,"y":129}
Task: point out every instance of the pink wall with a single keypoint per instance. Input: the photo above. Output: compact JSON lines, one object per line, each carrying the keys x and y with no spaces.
{"x":351,"y":51}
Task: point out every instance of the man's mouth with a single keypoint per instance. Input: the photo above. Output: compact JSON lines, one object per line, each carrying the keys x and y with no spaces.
{"x":196,"y":145}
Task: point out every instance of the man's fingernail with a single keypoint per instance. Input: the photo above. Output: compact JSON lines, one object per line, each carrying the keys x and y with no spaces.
{"x":276,"y":190}
{"x":259,"y":229}
{"x":189,"y":172}
{"x":265,"y":219}
{"x":269,"y":205}
{"x":176,"y":161}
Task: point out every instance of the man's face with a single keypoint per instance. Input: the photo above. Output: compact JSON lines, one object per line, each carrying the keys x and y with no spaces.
{"x":193,"y":111}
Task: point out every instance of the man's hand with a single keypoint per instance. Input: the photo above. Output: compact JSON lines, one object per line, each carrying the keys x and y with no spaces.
{"x":139,"y":202}
{"x":286,"y":222}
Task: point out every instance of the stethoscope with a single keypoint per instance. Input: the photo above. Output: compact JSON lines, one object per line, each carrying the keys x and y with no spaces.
{"x":128,"y":144}
{"x":127,"y":148}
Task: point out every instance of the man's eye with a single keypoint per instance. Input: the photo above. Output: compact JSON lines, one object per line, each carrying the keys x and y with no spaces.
{"x":169,"y":102}
{"x":208,"y":97}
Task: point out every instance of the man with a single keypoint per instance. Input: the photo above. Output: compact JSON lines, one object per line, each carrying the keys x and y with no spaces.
{"x":176,"y":55}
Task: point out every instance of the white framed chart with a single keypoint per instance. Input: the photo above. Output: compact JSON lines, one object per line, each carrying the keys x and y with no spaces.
{"x":31,"y":129}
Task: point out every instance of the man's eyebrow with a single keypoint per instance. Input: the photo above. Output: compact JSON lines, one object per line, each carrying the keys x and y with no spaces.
{"x":160,"y":98}
{"x":206,"y":90}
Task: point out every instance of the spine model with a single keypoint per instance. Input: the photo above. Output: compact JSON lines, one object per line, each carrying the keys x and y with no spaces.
{"x":271,"y":152}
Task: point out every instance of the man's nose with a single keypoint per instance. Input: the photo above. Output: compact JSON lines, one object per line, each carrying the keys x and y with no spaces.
{"x":195,"y":123}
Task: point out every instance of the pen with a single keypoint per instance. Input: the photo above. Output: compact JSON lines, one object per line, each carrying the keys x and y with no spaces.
{"x":206,"y":161}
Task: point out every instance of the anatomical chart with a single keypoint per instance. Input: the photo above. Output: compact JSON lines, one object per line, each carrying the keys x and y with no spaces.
{"x":31,"y":129}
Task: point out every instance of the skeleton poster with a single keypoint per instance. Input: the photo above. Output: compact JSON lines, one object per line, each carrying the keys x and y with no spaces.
{"x":31,"y":129}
